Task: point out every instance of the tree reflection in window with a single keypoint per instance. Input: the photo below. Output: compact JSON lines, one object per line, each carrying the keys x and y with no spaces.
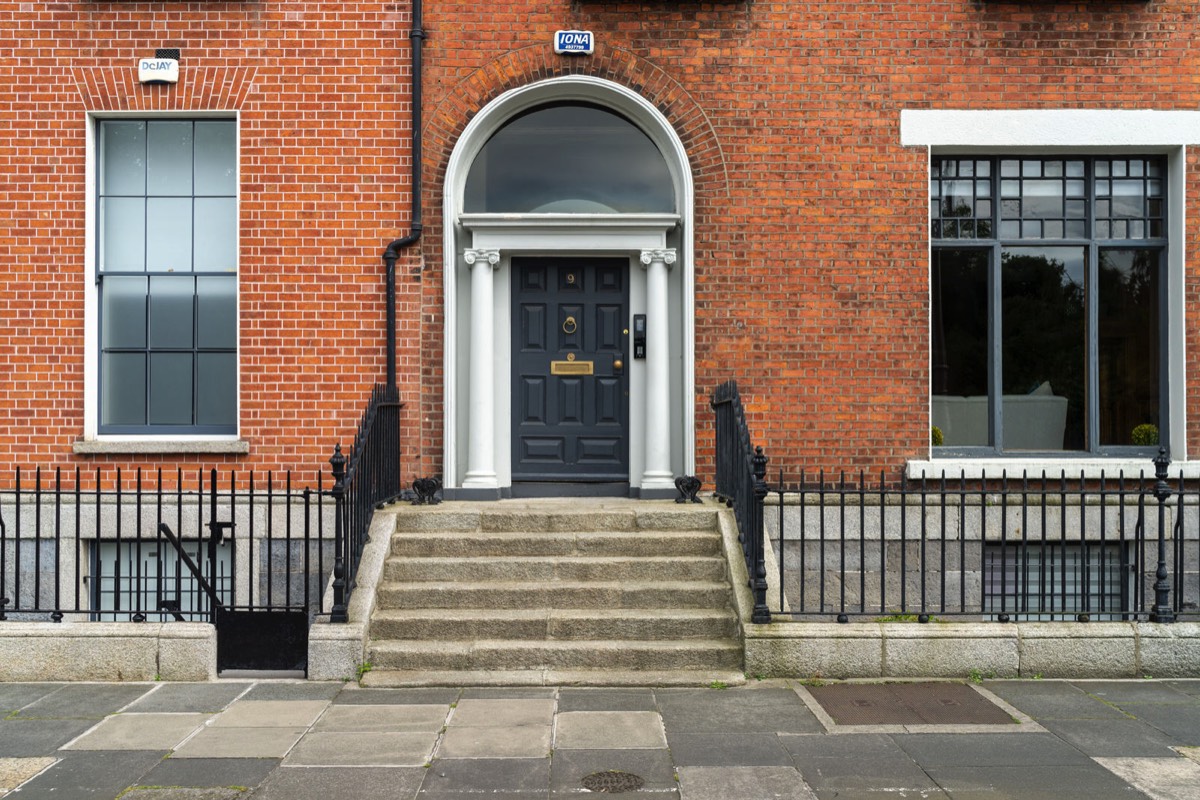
{"x":569,"y":158}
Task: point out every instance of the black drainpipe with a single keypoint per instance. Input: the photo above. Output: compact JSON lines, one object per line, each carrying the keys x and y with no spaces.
{"x":417,"y":35}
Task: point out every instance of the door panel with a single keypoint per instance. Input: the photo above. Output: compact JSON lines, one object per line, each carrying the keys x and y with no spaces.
{"x":570,"y":427}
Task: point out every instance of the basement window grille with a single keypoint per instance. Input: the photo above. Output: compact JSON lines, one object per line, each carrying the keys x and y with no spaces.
{"x":1057,"y":581}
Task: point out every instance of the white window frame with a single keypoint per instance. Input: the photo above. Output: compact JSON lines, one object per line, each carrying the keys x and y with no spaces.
{"x":92,"y":442}
{"x":1090,"y":132}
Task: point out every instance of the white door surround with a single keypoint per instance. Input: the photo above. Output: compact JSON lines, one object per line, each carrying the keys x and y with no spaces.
{"x":477,"y":251}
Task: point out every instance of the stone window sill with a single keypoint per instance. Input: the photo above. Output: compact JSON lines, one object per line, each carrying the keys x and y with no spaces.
{"x":1091,"y":468}
{"x":94,"y":447}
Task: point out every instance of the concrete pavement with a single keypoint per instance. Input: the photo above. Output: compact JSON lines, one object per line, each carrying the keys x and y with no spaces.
{"x":294,"y":740}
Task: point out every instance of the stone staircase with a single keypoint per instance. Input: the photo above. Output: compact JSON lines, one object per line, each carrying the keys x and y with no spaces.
{"x":555,"y":592}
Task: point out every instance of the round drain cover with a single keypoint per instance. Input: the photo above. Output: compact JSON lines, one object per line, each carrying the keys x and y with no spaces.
{"x":613,"y":782}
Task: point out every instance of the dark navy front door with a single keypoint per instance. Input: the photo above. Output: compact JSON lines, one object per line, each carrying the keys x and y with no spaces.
{"x":570,"y":384}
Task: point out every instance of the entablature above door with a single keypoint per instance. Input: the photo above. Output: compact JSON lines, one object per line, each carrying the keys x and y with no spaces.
{"x":568,"y":232}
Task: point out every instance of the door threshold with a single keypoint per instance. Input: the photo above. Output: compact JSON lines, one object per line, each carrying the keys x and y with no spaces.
{"x":569,"y":489}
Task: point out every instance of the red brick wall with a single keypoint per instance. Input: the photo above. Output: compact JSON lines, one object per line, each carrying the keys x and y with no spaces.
{"x":811,"y":219}
{"x":322,"y":94}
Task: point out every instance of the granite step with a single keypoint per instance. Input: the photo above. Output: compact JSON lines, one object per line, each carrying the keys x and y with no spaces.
{"x":554,"y":624}
{"x":546,"y":568}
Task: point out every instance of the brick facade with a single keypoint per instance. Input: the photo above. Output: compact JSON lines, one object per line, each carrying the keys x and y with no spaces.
{"x":322,"y":99}
{"x":811,"y":232}
{"x":811,"y":235}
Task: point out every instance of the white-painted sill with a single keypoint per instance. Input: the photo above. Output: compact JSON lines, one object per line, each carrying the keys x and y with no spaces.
{"x":1089,"y":468}
{"x":148,"y":446}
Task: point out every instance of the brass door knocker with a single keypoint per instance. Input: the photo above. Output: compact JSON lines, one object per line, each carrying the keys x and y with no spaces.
{"x":569,"y":326}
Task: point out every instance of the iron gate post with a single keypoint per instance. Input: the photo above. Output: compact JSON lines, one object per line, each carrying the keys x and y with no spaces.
{"x":338,"y":461}
{"x":758,"y":580}
{"x":1162,"y":611}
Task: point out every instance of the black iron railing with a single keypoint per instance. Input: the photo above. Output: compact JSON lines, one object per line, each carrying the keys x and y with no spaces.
{"x":1006,"y":547}
{"x":741,"y":469}
{"x":366,"y":480}
{"x":90,"y":544}
{"x":1003,"y":548}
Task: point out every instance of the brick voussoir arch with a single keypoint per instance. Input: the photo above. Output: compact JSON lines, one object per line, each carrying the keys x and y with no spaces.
{"x":531,"y":64}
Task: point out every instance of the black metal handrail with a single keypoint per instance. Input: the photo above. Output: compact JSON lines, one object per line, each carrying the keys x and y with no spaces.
{"x":741,"y":469}
{"x":368,"y":479}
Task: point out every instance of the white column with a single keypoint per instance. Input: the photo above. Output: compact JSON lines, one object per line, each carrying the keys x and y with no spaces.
{"x":657,"y":474}
{"x":481,"y":435}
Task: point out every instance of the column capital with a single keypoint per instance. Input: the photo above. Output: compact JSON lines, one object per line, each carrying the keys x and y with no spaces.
{"x":665,"y":256}
{"x":491,"y":256}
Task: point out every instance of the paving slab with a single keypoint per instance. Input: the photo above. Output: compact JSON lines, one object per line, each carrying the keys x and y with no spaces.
{"x":1121,"y":692}
{"x":1186,"y":686}
{"x":15,"y":696}
{"x":84,"y":701}
{"x":1160,"y":778}
{"x":608,"y":730}
{"x":523,"y":741}
{"x":606,"y":700}
{"x":735,"y":711}
{"x":857,"y":764}
{"x":270,"y":714}
{"x":23,"y":738}
{"x":508,"y":692}
{"x":989,"y":750}
{"x":1052,"y":700}
{"x":728,"y":749}
{"x":295,"y":690}
{"x":502,"y":712}
{"x":344,"y":749}
{"x":1112,"y":737}
{"x":240,"y":743}
{"x":352,"y":695}
{"x":79,"y":775}
{"x":15,"y":771}
{"x":151,"y":792}
{"x":324,"y":783}
{"x":1089,"y":782}
{"x":183,"y":697}
{"x":139,"y":732}
{"x":493,"y":776}
{"x":887,"y":794}
{"x":210,"y":772}
{"x":568,"y":768}
{"x":744,"y":783}
{"x":1180,"y":722}
{"x":385,"y":718}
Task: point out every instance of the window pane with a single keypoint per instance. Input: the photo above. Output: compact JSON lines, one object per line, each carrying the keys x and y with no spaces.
{"x":169,"y":234}
{"x":122,"y":233}
{"x":216,"y":395}
{"x":216,"y":309}
{"x":169,"y":159}
{"x":216,"y":234}
{"x":170,"y":388}
{"x":960,"y":353}
{"x":1129,"y":347}
{"x":122,"y":158}
{"x":570,"y":157}
{"x":1043,"y":345}
{"x":123,"y":313}
{"x":123,"y":389}
{"x":171,"y":312}
{"x":216,"y":158}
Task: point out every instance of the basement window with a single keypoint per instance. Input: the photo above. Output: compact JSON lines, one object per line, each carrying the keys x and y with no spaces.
{"x":1050,"y":581}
